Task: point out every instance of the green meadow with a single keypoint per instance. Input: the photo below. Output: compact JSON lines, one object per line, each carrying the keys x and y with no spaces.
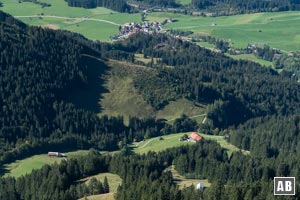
{"x":278,"y":29}
{"x":25,"y":166}
{"x":183,"y":182}
{"x":184,"y":2}
{"x":155,"y":144}
{"x":79,"y":20}
{"x":172,"y":140}
{"x":121,"y":97}
{"x":251,"y":57}
{"x":224,"y":144}
{"x":113,"y":180}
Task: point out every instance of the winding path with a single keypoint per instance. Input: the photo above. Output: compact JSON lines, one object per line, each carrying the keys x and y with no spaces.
{"x":190,"y":117}
{"x":73,"y":18}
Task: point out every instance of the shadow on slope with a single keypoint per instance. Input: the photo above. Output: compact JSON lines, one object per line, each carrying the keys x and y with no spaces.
{"x":88,"y":94}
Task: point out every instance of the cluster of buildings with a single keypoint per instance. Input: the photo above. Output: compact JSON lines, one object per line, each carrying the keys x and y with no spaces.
{"x":56,"y":154}
{"x":147,"y":27}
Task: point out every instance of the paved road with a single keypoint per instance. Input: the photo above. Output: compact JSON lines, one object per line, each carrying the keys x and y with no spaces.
{"x":74,"y":18}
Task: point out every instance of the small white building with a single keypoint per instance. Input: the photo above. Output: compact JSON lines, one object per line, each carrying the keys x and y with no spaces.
{"x":56,"y":154}
{"x":200,"y":186}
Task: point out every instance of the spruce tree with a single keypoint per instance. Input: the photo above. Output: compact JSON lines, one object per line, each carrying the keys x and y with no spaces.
{"x":105,"y":185}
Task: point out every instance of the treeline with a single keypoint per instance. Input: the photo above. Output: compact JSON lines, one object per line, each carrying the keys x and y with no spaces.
{"x":117,"y":5}
{"x":159,"y":3}
{"x":42,"y":4}
{"x":6,"y":18}
{"x":221,"y":7}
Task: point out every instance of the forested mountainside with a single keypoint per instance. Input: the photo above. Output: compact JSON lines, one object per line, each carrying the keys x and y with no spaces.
{"x":146,"y":176}
{"x":42,"y":74}
{"x":44,"y":71}
{"x":237,"y":90}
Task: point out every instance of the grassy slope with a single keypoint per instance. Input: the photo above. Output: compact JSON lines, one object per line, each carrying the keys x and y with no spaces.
{"x":113,"y":180}
{"x":123,"y":99}
{"x":223,"y":143}
{"x":182,"y":182}
{"x":279,"y":30}
{"x":172,"y":140}
{"x":108,"y":196}
{"x":154,"y":144}
{"x":90,"y":29}
{"x":206,"y":45}
{"x":22,"y":167}
{"x":181,"y":106}
{"x":251,"y":57}
{"x":184,"y":2}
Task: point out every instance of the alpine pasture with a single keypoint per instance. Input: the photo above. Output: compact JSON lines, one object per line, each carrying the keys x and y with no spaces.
{"x":277,"y":29}
{"x":96,"y":24}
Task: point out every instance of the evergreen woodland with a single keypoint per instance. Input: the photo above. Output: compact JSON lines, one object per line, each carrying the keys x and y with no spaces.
{"x":44,"y":72}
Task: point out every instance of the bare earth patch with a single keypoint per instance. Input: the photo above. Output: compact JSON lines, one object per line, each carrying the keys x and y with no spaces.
{"x":50,"y":26}
{"x":108,"y":196}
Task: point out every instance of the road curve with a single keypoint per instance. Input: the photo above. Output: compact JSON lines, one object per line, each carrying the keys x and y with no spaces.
{"x":74,"y":18}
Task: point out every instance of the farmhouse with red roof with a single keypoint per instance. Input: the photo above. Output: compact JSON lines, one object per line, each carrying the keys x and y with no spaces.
{"x":194,"y":137}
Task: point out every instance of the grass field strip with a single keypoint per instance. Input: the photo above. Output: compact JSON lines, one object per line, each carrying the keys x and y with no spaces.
{"x":73,"y":18}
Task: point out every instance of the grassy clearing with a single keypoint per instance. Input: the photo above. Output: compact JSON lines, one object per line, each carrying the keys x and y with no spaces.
{"x":154,"y":144}
{"x":206,"y":45}
{"x":183,"y":182}
{"x":25,"y":166}
{"x":122,"y":98}
{"x":140,"y":57}
{"x":181,"y":106}
{"x":172,"y":140}
{"x":279,"y":29}
{"x":113,"y":180}
{"x":94,"y":30}
{"x":184,"y":2}
{"x":90,"y":29}
{"x":108,"y":196}
{"x":224,"y":144}
{"x":251,"y":57}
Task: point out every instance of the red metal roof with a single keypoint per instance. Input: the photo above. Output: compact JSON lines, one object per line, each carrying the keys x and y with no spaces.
{"x":195,"y":136}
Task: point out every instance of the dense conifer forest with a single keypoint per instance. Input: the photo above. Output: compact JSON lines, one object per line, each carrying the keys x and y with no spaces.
{"x":117,"y":5}
{"x":44,"y":71}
